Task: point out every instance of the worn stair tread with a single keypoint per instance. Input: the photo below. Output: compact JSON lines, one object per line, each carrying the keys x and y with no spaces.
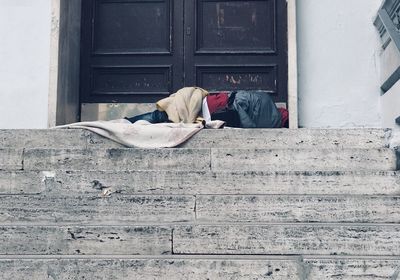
{"x":303,"y":160}
{"x":117,"y":159}
{"x":183,"y":268}
{"x":171,"y":269}
{"x":200,"y":182}
{"x":126,"y":209}
{"x":287,"y":138}
{"x":267,"y":239}
{"x":352,"y":159}
{"x":351,"y":269}
{"x":96,"y":209}
{"x":282,"y":239}
{"x":85,"y":240}
{"x":225,"y":138}
{"x":297,"y":208}
{"x":197,"y":268}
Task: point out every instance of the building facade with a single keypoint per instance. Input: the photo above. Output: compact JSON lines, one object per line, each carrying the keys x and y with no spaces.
{"x":335,"y":63}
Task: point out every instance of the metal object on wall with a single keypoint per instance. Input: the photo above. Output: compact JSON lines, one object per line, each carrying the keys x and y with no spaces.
{"x":112,"y":111}
{"x":387,"y":22}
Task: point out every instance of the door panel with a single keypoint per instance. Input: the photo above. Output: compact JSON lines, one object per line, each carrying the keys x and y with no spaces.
{"x":132,"y":27}
{"x":235,"y":26}
{"x":234,"y":44}
{"x":134,"y":53}
{"x":234,"y":77}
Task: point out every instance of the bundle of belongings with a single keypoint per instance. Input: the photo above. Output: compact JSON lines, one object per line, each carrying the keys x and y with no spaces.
{"x":184,"y":113}
{"x":242,"y":109}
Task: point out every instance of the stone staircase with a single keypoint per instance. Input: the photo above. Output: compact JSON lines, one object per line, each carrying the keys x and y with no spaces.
{"x":228,"y":204}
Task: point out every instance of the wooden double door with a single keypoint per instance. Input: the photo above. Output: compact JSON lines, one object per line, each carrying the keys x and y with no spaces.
{"x":136,"y":51}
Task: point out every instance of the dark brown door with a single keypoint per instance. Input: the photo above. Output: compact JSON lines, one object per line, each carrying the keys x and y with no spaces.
{"x":137,"y":51}
{"x":132,"y":50}
{"x":232,"y":44}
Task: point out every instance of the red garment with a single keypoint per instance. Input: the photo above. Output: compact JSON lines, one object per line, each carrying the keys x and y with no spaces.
{"x":217,"y":101}
{"x":284,"y":116}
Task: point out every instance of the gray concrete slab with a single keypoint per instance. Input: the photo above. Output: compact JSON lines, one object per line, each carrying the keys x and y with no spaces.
{"x":303,"y":159}
{"x":85,"y":240}
{"x":297,"y":208}
{"x":227,"y":182}
{"x":117,"y":159}
{"x":288,"y":239}
{"x":95,"y":209}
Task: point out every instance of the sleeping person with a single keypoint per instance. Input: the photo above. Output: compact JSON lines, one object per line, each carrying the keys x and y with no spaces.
{"x":244,"y":109}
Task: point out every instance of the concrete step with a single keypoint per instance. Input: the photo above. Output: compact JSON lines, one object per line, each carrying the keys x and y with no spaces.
{"x":150,"y":269}
{"x":297,"y":208}
{"x":284,"y":239}
{"x":74,"y":183}
{"x":200,"y":159}
{"x":228,"y":204}
{"x":96,"y":210}
{"x":225,"y":138}
{"x":203,"y":182}
{"x":121,"y":209}
{"x":85,"y":240}
{"x":303,"y":159}
{"x":203,"y":239}
{"x":201,"y":267}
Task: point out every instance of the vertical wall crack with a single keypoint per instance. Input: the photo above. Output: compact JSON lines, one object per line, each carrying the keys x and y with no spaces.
{"x":211,"y":167}
{"x":172,"y":241}
{"x":23,"y":159}
{"x":195,"y":207}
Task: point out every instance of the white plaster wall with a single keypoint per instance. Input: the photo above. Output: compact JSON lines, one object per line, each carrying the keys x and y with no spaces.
{"x":24,"y":63}
{"x":338,"y":54}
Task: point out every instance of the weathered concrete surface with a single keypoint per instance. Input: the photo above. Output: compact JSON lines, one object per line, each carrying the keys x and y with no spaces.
{"x":225,"y":138}
{"x":300,"y":208}
{"x":285,"y":138}
{"x":352,"y":269}
{"x":52,"y":138}
{"x":227,"y":182}
{"x":73,"y":183}
{"x":21,"y":182}
{"x":117,"y":159}
{"x":221,"y":159}
{"x":146,"y":269}
{"x":85,"y":240}
{"x":82,"y":207}
{"x":11,"y":159}
{"x":95,"y":210}
{"x":182,"y":268}
{"x":283,"y":239}
{"x":303,"y":159}
{"x":45,"y":138}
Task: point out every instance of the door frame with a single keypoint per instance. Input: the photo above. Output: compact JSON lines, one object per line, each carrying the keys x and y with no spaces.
{"x":61,"y":18}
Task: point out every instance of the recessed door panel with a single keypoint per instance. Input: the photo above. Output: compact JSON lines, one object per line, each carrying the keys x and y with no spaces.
{"x":132,"y":50}
{"x":234,"y":77}
{"x":128,"y":80}
{"x":132,"y":27}
{"x":237,"y":45}
{"x":235,"y":26}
